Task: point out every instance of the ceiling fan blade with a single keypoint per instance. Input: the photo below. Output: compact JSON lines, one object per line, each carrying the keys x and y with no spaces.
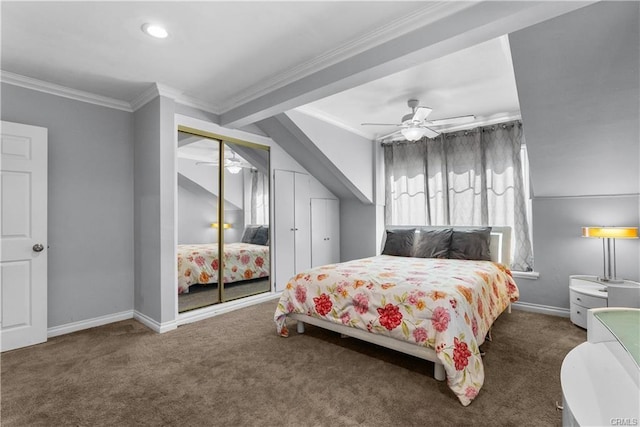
{"x":380,"y":124}
{"x":421,"y":113}
{"x":430,"y":133}
{"x":452,"y":120}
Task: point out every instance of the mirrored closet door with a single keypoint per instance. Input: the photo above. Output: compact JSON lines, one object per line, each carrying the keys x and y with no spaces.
{"x":223,"y":219}
{"x":246,"y":240}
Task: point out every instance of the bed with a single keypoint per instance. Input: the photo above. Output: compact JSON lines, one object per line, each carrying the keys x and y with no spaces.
{"x":199,"y":264}
{"x":436,"y":308}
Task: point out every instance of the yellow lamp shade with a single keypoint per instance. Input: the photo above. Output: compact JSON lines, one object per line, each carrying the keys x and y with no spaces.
{"x":216,"y":225}
{"x":611,"y":232}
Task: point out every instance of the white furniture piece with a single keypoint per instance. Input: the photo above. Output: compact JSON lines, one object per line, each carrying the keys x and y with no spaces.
{"x":292,"y":238}
{"x":587,"y":292}
{"x":601,"y":378}
{"x":325,"y":232}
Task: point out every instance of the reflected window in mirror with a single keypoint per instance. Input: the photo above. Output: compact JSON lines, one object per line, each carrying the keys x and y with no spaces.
{"x":247,"y":257}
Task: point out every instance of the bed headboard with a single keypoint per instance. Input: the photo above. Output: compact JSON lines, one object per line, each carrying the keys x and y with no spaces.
{"x":500,"y":244}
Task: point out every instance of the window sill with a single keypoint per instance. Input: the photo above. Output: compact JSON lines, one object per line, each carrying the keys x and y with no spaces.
{"x":533,"y":275}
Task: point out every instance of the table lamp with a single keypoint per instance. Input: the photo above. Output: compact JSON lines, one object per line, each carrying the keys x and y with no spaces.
{"x":609,"y":236}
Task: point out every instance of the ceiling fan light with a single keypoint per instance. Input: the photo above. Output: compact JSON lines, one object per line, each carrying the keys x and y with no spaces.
{"x":413,"y":133}
{"x":155,"y":31}
{"x":234,"y":169}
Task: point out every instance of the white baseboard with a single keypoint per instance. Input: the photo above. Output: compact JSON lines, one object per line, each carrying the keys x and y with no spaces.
{"x":89,"y":323}
{"x":542,"y":309}
{"x":153,"y":324}
{"x":111,"y":318}
{"x":215,"y":310}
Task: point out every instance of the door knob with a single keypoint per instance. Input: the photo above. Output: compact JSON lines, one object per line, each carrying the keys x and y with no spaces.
{"x":38,"y":247}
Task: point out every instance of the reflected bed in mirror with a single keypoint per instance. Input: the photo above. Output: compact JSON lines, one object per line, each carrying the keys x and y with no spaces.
{"x":246,"y":266}
{"x":226,"y":206}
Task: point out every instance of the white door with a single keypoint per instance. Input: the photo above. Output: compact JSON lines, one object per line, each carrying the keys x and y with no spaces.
{"x":318,"y":232}
{"x":284,"y":245}
{"x":302,"y":222}
{"x":23,"y":229}
{"x":333,"y":231}
{"x":325,"y":232}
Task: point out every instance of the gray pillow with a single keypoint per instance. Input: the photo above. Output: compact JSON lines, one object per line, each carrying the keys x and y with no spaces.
{"x":249,"y":233}
{"x":399,"y":242}
{"x":433,"y":243}
{"x":261,"y":237}
{"x":471,"y":244}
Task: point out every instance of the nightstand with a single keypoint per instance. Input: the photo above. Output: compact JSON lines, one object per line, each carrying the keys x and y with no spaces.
{"x":587,"y":292}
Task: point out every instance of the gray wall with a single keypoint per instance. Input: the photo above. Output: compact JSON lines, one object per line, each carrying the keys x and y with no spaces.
{"x":577,"y":79}
{"x":197,"y":209}
{"x":168,"y":264}
{"x":358,"y":238}
{"x":560,"y":250}
{"x":154,"y":191}
{"x":578,"y":85}
{"x":147,"y":209}
{"x":90,"y":218}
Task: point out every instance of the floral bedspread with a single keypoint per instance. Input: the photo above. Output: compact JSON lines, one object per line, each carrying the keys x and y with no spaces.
{"x":199,"y":264}
{"x":445,"y":304}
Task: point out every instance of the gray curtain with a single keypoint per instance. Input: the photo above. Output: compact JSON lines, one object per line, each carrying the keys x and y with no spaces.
{"x":259,"y":198}
{"x":464,"y":178}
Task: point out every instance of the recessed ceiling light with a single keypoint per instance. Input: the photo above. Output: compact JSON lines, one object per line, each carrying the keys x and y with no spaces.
{"x":155,"y":31}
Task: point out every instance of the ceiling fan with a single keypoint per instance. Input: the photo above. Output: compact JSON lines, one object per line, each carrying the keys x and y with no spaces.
{"x":414,"y":125}
{"x":233,"y":165}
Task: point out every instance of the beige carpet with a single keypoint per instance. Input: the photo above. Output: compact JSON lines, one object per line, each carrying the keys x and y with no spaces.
{"x":233,"y":370}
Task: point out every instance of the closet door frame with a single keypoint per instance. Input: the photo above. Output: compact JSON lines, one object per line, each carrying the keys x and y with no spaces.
{"x":223,"y":140}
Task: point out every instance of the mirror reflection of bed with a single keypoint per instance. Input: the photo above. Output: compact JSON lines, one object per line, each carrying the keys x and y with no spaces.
{"x":240,"y":196}
{"x":246,"y":272}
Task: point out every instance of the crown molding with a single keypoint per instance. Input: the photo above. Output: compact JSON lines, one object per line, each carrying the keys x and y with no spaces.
{"x":150,"y":93}
{"x":200,"y":105}
{"x":433,"y":12}
{"x":154,"y":90}
{"x":145,"y":97}
{"x":159,"y":89}
{"x":63,"y":91}
{"x":168,"y":91}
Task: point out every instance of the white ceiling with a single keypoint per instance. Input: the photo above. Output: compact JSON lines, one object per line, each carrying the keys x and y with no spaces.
{"x":475,"y":81}
{"x":225,"y":55}
{"x":218,"y":52}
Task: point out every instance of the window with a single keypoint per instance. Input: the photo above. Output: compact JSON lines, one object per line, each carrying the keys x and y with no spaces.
{"x":474,"y":177}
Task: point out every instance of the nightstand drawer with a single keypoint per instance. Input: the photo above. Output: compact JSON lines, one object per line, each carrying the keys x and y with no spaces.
{"x":587,"y":301}
{"x":579,"y":315}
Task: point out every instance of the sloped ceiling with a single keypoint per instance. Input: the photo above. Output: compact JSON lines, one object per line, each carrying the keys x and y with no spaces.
{"x":289,"y":136}
{"x":578,"y":81}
